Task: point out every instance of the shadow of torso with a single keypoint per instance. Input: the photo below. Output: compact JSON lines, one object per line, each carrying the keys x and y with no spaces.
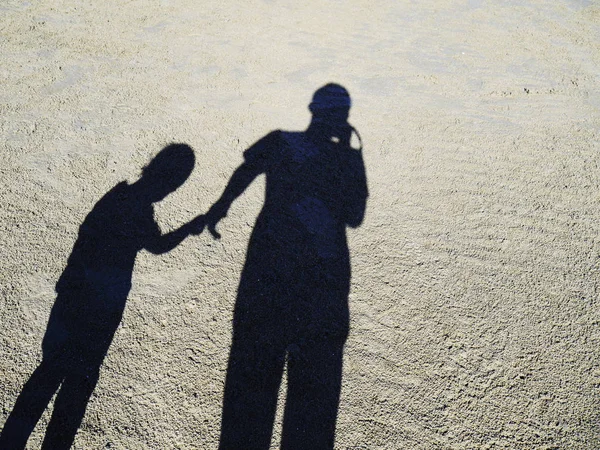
{"x":93,"y":289}
{"x":297,"y":274}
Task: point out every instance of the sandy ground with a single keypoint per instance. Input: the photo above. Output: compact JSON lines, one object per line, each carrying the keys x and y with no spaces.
{"x":474,"y":301}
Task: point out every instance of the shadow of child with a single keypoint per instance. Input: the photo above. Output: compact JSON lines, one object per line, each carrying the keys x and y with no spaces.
{"x":91,"y":296}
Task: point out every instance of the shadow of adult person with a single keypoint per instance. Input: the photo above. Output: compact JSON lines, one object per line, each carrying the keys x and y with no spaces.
{"x":292,"y":302}
{"x":91,"y":296}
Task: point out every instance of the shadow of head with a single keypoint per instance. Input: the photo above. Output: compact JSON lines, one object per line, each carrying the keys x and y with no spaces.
{"x":330,"y":105}
{"x":167,"y":171}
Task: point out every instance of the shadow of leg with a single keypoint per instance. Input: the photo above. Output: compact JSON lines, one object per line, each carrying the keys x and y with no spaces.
{"x":30,"y":405}
{"x":69,"y":408}
{"x":314,"y":385}
{"x":253,"y":378}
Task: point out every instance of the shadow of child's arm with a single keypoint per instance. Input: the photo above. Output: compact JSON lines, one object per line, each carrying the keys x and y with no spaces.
{"x":197,"y":225}
{"x":160,"y":244}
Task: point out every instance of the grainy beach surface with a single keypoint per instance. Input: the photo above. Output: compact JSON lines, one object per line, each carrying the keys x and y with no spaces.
{"x":474,"y":292}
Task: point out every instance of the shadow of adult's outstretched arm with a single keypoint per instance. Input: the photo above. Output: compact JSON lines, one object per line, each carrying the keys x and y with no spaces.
{"x":241,"y":178}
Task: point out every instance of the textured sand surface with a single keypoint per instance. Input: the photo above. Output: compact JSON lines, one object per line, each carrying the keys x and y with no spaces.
{"x":474,"y":301}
